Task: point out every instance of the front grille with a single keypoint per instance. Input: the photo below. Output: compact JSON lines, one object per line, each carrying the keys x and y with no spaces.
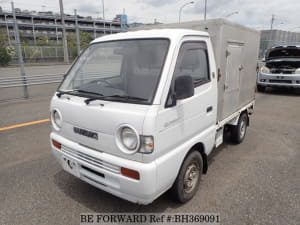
{"x":282,"y":71}
{"x":90,"y":159}
{"x":281,"y":81}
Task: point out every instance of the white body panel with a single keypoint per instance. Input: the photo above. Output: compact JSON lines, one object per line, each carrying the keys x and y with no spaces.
{"x":175,"y":129}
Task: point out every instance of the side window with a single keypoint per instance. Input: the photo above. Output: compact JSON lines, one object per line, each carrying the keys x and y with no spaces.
{"x":193,"y":60}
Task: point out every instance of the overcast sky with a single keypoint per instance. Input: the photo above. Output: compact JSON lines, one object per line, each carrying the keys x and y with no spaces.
{"x":254,"y":13}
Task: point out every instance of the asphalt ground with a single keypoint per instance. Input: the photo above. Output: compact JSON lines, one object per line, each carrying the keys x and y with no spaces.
{"x":256,"y":182}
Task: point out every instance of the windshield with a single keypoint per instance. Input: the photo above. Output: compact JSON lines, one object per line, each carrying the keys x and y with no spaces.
{"x":125,"y":70}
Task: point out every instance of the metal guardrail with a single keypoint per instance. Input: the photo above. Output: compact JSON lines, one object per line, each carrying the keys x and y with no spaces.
{"x":11,"y":82}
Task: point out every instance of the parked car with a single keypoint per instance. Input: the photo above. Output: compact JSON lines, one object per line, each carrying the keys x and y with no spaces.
{"x":281,"y":68}
{"x":139,"y":112}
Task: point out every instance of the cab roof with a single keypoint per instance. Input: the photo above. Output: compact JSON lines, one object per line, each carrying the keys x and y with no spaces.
{"x":156,"y":33}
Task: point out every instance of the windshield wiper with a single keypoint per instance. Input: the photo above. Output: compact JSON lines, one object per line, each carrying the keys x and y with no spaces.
{"x":60,"y":93}
{"x":87,"y":101}
{"x":127,"y":97}
{"x":89,"y":92}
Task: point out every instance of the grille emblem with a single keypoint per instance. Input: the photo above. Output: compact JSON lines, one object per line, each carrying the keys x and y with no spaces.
{"x":85,"y":133}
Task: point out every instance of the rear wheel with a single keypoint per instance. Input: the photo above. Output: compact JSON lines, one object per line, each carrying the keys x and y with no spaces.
{"x":188,"y":179}
{"x":261,"y":88}
{"x":238,"y":132}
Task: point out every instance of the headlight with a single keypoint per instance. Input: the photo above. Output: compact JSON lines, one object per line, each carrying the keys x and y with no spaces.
{"x":56,"y":119}
{"x":297,"y":71}
{"x":127,"y":139}
{"x":264,"y":69}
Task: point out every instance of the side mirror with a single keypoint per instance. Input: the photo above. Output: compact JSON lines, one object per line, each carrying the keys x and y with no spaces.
{"x":184,"y":87}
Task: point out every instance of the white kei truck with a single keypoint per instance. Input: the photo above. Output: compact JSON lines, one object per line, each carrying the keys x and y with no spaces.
{"x":139,"y":112}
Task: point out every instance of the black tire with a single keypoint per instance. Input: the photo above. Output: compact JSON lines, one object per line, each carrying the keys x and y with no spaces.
{"x":239,"y":131}
{"x":261,"y":88}
{"x":188,"y":179}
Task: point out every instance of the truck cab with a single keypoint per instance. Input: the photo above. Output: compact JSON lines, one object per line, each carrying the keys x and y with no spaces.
{"x":136,"y":114}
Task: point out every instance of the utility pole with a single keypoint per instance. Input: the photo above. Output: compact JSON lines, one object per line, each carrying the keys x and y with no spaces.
{"x":65,"y":44}
{"x":20,"y":56}
{"x":122,"y":21}
{"x":205,"y":7}
{"x":7,"y":30}
{"x":272,"y":21}
{"x":77,"y":32}
{"x":33,"y":31}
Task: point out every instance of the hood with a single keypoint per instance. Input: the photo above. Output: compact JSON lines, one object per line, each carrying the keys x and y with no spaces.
{"x":100,"y":117}
{"x":282,"y":52}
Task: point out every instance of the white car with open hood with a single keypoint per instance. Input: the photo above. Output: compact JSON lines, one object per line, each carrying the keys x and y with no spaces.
{"x":281,"y":68}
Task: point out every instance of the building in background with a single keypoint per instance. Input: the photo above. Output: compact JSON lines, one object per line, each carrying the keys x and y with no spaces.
{"x":33,"y":25}
{"x":271,"y":38}
{"x":136,"y":24}
{"x":122,"y":19}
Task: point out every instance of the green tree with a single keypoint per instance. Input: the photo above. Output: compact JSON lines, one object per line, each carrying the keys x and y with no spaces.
{"x":45,"y":41}
{"x":4,"y":56}
{"x":85,"y":38}
{"x":72,"y":44}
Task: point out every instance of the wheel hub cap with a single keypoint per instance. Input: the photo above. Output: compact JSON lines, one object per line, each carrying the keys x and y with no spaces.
{"x":191,"y":178}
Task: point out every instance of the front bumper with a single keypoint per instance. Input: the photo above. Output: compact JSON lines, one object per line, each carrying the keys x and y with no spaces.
{"x":102,"y":170}
{"x":278,"y":80}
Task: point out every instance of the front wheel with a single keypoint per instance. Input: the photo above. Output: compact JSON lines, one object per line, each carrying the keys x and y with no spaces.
{"x":188,"y":179}
{"x":238,"y":132}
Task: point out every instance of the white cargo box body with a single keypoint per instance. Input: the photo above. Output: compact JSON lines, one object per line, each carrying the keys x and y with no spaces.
{"x":236,"y":52}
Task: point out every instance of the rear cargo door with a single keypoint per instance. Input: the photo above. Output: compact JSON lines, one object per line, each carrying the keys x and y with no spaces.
{"x":234,"y":68}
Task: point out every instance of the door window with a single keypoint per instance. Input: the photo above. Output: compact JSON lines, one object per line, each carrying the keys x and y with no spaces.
{"x":193,"y":61}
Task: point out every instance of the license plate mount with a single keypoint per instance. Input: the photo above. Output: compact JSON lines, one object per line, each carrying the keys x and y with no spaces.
{"x":70,"y":166}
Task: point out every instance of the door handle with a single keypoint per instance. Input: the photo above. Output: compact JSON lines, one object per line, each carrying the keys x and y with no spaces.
{"x":209,"y":109}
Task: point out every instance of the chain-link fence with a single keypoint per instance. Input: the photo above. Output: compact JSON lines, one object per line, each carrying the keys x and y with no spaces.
{"x":33,"y":54}
{"x":41,"y":54}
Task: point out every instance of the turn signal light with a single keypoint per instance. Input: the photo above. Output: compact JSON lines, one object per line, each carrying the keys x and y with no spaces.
{"x":130,"y":173}
{"x":56,"y":144}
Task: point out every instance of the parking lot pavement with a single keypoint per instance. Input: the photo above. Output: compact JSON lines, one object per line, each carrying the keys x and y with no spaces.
{"x":22,"y":111}
{"x":256,"y":182}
